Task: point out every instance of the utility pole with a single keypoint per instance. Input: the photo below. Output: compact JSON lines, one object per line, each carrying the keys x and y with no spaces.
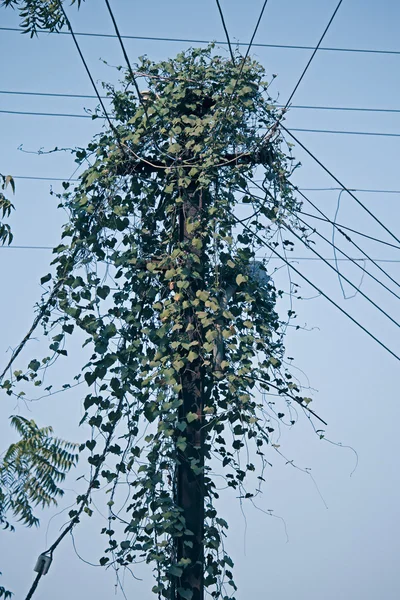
{"x":190,"y":469}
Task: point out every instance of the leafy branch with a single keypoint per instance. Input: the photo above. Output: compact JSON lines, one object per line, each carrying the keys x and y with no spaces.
{"x":6,"y":207}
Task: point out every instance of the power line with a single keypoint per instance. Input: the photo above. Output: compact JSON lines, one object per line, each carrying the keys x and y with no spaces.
{"x":293,"y":106}
{"x":328,"y":189}
{"x":313,"y":54}
{"x":126,"y":57}
{"x":315,"y":287}
{"x":313,"y":258}
{"x":336,"y":226}
{"x":228,"y":41}
{"x":243,"y":61}
{"x":369,"y":237}
{"x":12,"y":247}
{"x":340,"y":183}
{"x":95,"y":116}
{"x":336,"y":248}
{"x":335,"y":131}
{"x":52,"y":94}
{"x":337,"y":189}
{"x":341,"y":275}
{"x":221,"y":42}
{"x":46,"y":114}
{"x":85,"y":64}
{"x":251,"y":43}
{"x":383,"y":260}
{"x":325,"y":219}
{"x":346,"y":236}
{"x":37,"y":178}
{"x":342,"y":108}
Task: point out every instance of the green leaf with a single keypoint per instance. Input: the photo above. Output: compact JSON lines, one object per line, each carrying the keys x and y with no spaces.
{"x":191,"y":416}
{"x":203,"y":295}
{"x":178,"y":365}
{"x":240,"y":279}
{"x":181,"y":443}
{"x":211,"y":335}
{"x":185,"y":593}
{"x":174,"y":148}
{"x":175,"y":571}
{"x":34,"y":365}
{"x":103,"y":291}
{"x":45,"y":279}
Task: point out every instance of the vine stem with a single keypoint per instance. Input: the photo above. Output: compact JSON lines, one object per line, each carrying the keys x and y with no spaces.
{"x":75,"y":520}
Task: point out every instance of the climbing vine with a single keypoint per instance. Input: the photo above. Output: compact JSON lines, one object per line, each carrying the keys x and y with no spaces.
{"x":153,"y":300}
{"x":6,"y":207}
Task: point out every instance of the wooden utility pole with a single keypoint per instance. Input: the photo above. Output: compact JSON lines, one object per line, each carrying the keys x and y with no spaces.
{"x":190,"y":470}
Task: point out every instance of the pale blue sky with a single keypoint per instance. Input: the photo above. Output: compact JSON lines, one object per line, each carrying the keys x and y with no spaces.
{"x":351,"y":549}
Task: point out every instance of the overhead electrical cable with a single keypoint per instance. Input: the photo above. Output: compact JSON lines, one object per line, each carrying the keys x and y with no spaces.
{"x":330,"y":189}
{"x":228,"y":41}
{"x":348,"y":238}
{"x":337,"y":227}
{"x":337,"y":189}
{"x":251,"y":43}
{"x":293,"y":106}
{"x":340,"y":183}
{"x":342,"y":108}
{"x":46,"y":114}
{"x":85,"y":65}
{"x":341,"y":275}
{"x":96,"y":116}
{"x":319,"y":234}
{"x":126,"y":57}
{"x":383,"y":260}
{"x":12,"y":247}
{"x":314,"y":286}
{"x":324,"y":217}
{"x":313,"y":54}
{"x":345,"y":132}
{"x":243,"y":61}
{"x":336,"y":248}
{"x":365,"y":235}
{"x":37,"y":178}
{"x":52,"y":94}
{"x":221,"y":42}
{"x":272,"y":129}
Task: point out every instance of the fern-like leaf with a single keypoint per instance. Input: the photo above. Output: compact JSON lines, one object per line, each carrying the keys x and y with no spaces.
{"x":31,"y":471}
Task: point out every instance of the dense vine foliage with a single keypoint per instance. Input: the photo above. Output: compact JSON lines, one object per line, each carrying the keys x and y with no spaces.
{"x":161,"y":275}
{"x":6,"y":207}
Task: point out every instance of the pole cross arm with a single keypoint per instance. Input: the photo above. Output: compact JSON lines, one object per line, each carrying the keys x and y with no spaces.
{"x":145,"y":165}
